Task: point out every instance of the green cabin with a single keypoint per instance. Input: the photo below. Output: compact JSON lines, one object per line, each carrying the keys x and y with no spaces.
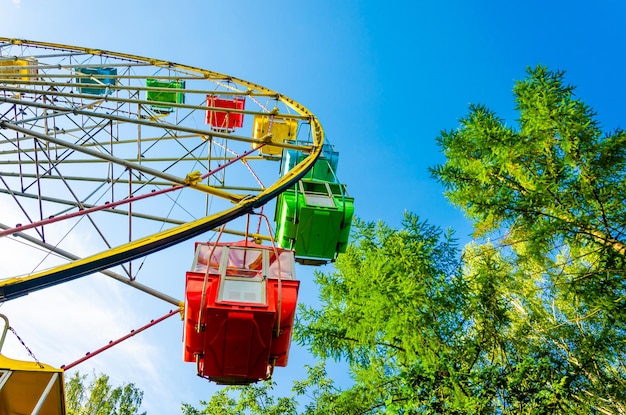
{"x":169,"y":93}
{"x":314,"y":217}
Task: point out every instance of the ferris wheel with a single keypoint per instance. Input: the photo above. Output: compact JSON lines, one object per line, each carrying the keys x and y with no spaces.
{"x":136,"y":155}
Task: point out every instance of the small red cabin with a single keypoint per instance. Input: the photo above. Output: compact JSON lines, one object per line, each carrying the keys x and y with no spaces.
{"x":240,"y":303}
{"x":225,"y":120}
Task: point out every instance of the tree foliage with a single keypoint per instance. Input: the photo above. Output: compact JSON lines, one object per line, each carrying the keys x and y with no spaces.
{"x":550,"y":195}
{"x":392,"y":309}
{"x":249,"y":400}
{"x":527,"y":318}
{"x":317,"y":394}
{"x":99,"y":397}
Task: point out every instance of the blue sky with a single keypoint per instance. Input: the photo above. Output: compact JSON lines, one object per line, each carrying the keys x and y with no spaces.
{"x":384,"y":78}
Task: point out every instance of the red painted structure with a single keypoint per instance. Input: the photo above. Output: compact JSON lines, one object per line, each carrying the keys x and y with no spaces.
{"x":225,"y":119}
{"x":240,"y":303}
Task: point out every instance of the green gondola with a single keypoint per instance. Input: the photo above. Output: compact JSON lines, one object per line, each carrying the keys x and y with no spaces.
{"x":165,"y":97}
{"x":314,"y":217}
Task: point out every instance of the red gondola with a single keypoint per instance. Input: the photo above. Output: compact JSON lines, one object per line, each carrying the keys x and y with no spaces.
{"x":225,"y":120}
{"x":239,"y":310}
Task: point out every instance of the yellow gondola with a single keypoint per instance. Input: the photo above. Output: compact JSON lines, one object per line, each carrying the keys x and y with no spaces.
{"x":29,"y":387}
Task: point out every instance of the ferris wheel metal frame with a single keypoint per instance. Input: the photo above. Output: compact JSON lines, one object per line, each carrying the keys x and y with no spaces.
{"x":63,"y":116}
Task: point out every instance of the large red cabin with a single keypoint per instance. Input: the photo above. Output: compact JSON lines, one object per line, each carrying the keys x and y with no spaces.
{"x":240,"y":305}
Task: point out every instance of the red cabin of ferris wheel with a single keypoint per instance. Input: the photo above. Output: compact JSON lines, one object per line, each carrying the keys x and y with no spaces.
{"x":240,"y":303}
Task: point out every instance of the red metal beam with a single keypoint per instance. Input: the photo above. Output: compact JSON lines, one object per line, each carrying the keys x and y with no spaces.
{"x":121,"y":339}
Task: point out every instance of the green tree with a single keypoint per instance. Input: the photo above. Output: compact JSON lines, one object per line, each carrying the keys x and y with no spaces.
{"x":250,"y":400}
{"x":392,"y":309}
{"x":550,"y":195}
{"x":99,"y":397}
{"x":427,"y":332}
{"x":316,"y":394}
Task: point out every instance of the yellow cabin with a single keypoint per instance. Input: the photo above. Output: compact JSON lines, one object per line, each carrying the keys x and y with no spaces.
{"x":10,"y":67}
{"x":282,"y":129}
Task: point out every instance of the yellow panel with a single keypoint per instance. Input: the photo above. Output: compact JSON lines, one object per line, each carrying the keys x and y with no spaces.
{"x":19,"y":365}
{"x":26,"y":384}
{"x":283,"y":129}
{"x":15,"y":71}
